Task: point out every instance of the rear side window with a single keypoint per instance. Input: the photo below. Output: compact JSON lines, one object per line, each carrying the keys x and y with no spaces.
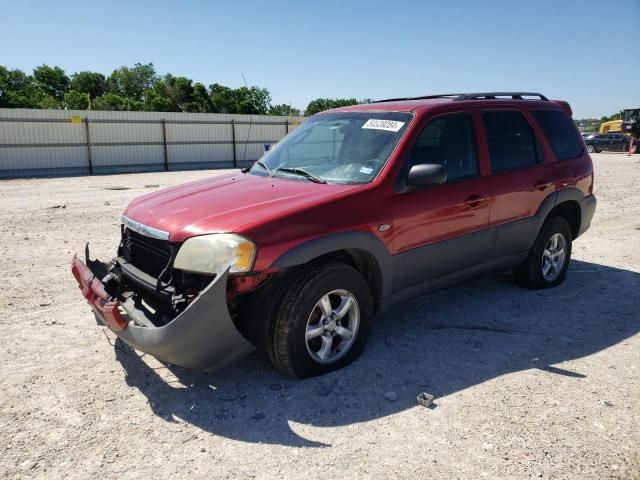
{"x":511,"y":140}
{"x":561,"y":133}
{"x":450,"y":141}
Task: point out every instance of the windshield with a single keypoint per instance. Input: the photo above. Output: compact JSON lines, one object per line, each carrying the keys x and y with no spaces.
{"x":346,"y":147}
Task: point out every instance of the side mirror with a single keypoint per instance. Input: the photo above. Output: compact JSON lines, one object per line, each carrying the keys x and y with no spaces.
{"x":426,"y":174}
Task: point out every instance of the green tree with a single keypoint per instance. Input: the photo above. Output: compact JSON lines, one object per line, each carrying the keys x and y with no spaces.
{"x":322,"y":104}
{"x":169,"y":93}
{"x":248,"y":100}
{"x":113,"y":101}
{"x":132,"y":83}
{"x":154,"y":101}
{"x":76,"y":100}
{"x":283,"y":110}
{"x":201,"y":100}
{"x":222,"y":99}
{"x":13,"y":88}
{"x":93,"y":83}
{"x":52,"y":80}
{"x":253,"y":100}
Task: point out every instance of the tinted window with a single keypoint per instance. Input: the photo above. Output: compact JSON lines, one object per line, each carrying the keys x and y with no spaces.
{"x":511,"y":140}
{"x":450,"y":141}
{"x":561,"y":133}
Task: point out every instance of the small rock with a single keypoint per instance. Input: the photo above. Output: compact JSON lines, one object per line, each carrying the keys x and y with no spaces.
{"x":607,"y":403}
{"x":202,"y":449}
{"x":152,"y":185}
{"x":107,"y":203}
{"x":391,"y":396}
{"x":487,"y":446}
{"x":259,"y":416}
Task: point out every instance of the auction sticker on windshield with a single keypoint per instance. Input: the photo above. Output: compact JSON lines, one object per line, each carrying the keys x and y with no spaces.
{"x":388,"y":125}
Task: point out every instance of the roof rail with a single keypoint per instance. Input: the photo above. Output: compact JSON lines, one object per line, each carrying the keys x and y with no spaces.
{"x":424,"y":97}
{"x":494,"y":95}
{"x":470,"y":96}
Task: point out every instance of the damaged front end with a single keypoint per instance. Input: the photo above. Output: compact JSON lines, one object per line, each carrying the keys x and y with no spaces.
{"x":178,"y":317}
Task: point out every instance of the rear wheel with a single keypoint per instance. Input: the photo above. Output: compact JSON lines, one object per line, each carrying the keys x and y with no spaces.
{"x":548,"y":260}
{"x":590,"y":149}
{"x":321,"y":322}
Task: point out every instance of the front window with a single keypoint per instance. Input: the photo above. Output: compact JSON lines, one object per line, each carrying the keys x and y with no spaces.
{"x":345,"y":147}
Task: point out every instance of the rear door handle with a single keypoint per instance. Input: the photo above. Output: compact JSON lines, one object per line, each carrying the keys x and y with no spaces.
{"x":474,"y":200}
{"x":543,"y":184}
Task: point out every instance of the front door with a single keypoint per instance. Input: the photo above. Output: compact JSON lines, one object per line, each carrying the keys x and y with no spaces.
{"x":442,"y":229}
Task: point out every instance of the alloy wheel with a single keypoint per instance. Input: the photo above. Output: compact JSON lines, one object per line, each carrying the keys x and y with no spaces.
{"x":332,"y":326}
{"x":553,"y":257}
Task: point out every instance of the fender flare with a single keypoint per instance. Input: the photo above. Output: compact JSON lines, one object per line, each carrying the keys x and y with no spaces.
{"x":351,"y":240}
{"x":553,"y":200}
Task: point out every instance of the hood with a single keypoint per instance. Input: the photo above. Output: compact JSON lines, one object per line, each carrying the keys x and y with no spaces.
{"x":226,"y":203}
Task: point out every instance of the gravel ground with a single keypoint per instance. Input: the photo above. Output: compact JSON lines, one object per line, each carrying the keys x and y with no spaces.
{"x":527,"y":384}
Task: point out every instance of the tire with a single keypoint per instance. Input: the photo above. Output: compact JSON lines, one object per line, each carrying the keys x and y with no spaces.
{"x":590,"y":149}
{"x":299,"y":314}
{"x":536,"y":272}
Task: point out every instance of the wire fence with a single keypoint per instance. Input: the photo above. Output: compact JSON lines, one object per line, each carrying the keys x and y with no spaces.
{"x":37,"y":143}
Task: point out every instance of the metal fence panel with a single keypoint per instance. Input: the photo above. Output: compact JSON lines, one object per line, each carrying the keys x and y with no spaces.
{"x":73,"y":142}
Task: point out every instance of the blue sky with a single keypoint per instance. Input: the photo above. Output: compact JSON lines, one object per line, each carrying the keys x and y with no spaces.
{"x":568,"y":49}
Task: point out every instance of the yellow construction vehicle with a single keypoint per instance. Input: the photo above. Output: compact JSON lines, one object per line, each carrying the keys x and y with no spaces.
{"x":611,"y":126}
{"x":629,"y":123}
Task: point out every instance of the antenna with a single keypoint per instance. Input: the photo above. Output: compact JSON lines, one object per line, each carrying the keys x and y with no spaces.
{"x":246,"y":143}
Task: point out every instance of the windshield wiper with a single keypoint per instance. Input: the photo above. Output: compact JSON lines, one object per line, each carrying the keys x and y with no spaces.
{"x":300,"y":171}
{"x":264,"y":165}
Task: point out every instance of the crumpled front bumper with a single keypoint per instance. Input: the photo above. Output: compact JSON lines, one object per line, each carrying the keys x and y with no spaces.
{"x":202,"y":337}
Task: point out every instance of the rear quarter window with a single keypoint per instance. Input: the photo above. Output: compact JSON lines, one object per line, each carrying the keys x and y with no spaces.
{"x":560,"y":132}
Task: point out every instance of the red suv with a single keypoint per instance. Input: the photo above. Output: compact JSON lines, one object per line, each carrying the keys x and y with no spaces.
{"x":358,"y":208}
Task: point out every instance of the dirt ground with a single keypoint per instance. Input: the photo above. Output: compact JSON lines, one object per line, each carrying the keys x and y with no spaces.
{"x":528,"y":384}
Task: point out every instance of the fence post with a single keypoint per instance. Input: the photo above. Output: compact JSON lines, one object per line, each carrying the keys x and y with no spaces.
{"x":88,"y":134}
{"x":233,"y":140}
{"x":286,"y":127}
{"x":164,"y":145}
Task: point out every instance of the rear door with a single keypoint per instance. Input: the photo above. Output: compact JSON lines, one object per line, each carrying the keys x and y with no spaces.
{"x":520,"y":178}
{"x":443,"y":228}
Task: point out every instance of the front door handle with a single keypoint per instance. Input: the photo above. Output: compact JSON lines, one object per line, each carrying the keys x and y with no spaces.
{"x":543,"y":184}
{"x":474,"y":200}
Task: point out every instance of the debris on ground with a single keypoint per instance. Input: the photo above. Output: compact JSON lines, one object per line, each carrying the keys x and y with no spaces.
{"x":425,"y":399}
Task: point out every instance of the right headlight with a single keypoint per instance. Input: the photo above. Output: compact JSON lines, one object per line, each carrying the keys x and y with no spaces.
{"x":213,"y":253}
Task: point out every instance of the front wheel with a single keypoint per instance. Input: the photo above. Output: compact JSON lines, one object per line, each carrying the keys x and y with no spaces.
{"x":548,"y":260}
{"x":590,"y":148}
{"x":322,"y":321}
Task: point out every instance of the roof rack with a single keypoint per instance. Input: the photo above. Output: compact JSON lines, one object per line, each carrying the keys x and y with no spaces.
{"x":494,"y":95}
{"x":425,"y":97}
{"x":470,"y":96}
